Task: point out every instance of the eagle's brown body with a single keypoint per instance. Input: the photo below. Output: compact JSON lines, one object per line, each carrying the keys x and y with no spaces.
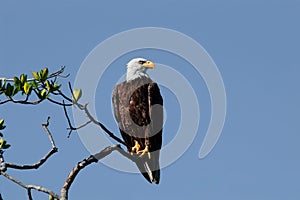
{"x":138,"y":111}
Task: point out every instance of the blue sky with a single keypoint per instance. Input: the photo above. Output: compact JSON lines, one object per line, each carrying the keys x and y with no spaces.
{"x":256,"y":48}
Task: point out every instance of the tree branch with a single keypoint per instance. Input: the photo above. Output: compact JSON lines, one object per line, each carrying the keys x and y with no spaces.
{"x":2,"y":162}
{"x":92,"y":119}
{"x":35,"y":165}
{"x":92,"y":159}
{"x":53,"y":75}
{"x":58,"y":103}
{"x":29,"y":194}
{"x":29,"y":187}
{"x":111,"y":134}
{"x":21,"y":101}
{"x":44,"y":159}
{"x":71,"y":128}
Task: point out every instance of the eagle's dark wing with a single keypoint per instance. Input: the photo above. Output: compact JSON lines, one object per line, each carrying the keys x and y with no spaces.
{"x":156,"y":116}
{"x":139,"y":114}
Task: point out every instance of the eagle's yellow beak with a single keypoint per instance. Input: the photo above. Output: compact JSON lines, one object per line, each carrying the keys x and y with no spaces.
{"x":148,"y":64}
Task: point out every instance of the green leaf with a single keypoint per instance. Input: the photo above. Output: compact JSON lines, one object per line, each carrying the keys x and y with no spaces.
{"x":6,"y":146}
{"x":2,"y":126}
{"x":35,"y":75}
{"x":48,"y":86}
{"x":15,"y":91}
{"x":43,"y":92}
{"x":56,"y":86}
{"x":17,"y":84}
{"x":3,"y":144}
{"x":27,"y":88}
{"x":44,"y":74}
{"x":9,"y":90}
{"x":17,"y":80}
{"x":3,"y":85}
{"x":34,"y":84}
{"x":23,"y":79}
{"x":76,"y":95}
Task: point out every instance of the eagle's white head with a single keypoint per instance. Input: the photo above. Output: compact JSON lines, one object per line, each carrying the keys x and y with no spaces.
{"x":137,"y":67}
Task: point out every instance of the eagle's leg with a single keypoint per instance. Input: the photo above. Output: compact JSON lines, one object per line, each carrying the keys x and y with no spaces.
{"x":145,"y":151}
{"x":135,"y":148}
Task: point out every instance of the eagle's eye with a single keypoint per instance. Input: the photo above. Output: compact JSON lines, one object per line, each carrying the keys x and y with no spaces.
{"x":142,"y":62}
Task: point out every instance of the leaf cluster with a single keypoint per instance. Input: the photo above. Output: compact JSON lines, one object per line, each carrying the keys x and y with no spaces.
{"x":41,"y":84}
{"x":3,"y":143}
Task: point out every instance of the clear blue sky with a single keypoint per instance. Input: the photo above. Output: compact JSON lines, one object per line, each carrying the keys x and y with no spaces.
{"x":256,"y":48}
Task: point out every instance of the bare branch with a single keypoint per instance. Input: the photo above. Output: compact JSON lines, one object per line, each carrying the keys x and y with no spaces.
{"x":44,"y":159}
{"x":92,"y":119}
{"x":6,"y":101}
{"x":71,"y":128}
{"x":45,"y":126}
{"x":29,"y":194}
{"x":53,"y":75}
{"x":102,"y":126}
{"x":92,"y":159}
{"x":3,"y":166}
{"x":21,"y":101}
{"x":59,"y":73}
{"x":63,"y":95}
{"x":35,"y":165}
{"x":80,"y":165}
{"x":58,"y":103}
{"x":29,"y":187}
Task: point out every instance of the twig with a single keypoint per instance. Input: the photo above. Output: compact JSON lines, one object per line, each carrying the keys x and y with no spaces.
{"x":45,"y":126}
{"x":102,"y":126}
{"x":44,"y":159}
{"x":35,"y":165}
{"x":29,"y":194}
{"x":53,"y":75}
{"x":84,"y":107}
{"x":64,"y":96}
{"x":3,"y":166}
{"x":30,"y":187}
{"x":21,"y":101}
{"x":58,"y":103}
{"x":71,"y":128}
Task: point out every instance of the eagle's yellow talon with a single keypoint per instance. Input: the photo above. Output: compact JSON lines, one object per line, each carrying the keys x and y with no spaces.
{"x":136,"y":147}
{"x":145,"y":151}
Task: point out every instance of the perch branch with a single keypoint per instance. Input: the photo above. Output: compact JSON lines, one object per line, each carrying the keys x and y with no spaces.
{"x":92,"y":159}
{"x":92,"y":119}
{"x":102,"y":126}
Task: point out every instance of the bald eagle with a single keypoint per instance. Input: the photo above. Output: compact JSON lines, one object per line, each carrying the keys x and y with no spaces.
{"x":137,"y":105}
